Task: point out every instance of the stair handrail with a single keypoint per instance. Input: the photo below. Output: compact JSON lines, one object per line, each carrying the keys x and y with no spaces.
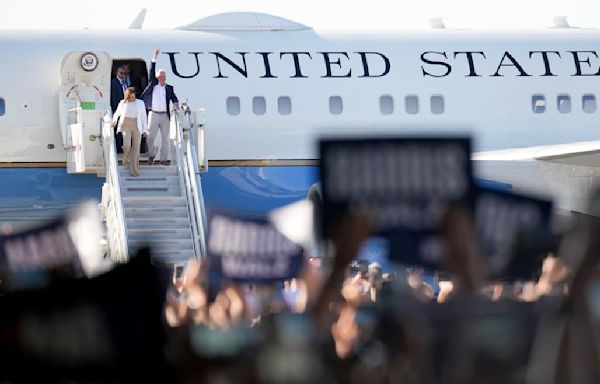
{"x":111,"y":164}
{"x":197,"y":194}
{"x":188,"y":184}
{"x":197,"y":136}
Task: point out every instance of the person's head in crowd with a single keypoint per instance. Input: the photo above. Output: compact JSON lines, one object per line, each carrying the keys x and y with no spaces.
{"x":314,"y":261}
{"x":6,"y":229}
{"x":356,"y":288}
{"x":421,"y":289}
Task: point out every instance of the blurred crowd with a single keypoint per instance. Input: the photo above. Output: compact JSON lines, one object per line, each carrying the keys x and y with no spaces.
{"x":345,"y":320}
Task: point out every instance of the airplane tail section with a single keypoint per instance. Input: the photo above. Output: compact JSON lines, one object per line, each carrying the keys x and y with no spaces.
{"x":138,"y":22}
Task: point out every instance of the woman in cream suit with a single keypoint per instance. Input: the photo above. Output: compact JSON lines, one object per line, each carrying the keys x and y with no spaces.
{"x":133,"y":123}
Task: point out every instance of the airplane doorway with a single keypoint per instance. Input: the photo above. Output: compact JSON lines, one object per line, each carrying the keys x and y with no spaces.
{"x":138,"y":72}
{"x":139,"y":80}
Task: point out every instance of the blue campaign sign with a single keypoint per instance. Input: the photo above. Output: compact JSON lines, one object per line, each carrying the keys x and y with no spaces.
{"x":402,"y":185}
{"x":250,"y":249}
{"x":40,"y":250}
{"x":514,"y":232}
{"x":65,"y":247}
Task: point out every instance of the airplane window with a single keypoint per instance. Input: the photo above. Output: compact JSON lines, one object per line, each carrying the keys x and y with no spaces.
{"x":259,"y":105}
{"x":412,"y":104}
{"x":589,"y":103}
{"x":233,"y":105}
{"x":2,"y":107}
{"x":284,"y":105}
{"x":437,"y":104}
{"x":563,"y":102}
{"x":386,"y":104}
{"x":336,"y":106}
{"x":538,"y":103}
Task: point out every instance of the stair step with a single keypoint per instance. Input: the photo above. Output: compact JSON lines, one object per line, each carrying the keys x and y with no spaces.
{"x":158,"y":222}
{"x":173,"y":231}
{"x":173,"y":256}
{"x":150,"y":179}
{"x":154,"y":202}
{"x":126,"y":177}
{"x":151,"y":170}
{"x":159,"y":233}
{"x":157,"y":212}
{"x":150,"y":176}
{"x":132,"y":227}
{"x":151,"y":185}
{"x":162,"y":244}
{"x":170,"y":255}
{"x":151,"y":191}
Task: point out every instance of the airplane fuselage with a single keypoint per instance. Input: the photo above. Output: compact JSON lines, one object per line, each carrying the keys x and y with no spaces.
{"x":268,"y":96}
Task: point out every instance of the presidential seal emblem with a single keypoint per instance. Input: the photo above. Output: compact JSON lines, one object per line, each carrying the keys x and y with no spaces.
{"x":89,"y":61}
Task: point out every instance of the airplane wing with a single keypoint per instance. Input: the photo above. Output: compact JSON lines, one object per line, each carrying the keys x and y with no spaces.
{"x":569,"y":173}
{"x":585,"y":153}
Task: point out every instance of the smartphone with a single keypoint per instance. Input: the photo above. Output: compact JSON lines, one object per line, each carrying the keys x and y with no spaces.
{"x":178,"y":271}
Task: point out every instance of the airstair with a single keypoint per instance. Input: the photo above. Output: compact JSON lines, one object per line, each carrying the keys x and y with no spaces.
{"x":162,"y":208}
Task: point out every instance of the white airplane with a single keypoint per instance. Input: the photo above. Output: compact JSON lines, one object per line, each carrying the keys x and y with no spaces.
{"x":271,"y":87}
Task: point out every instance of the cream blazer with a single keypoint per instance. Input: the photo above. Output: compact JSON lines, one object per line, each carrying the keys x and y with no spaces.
{"x":142,"y":119}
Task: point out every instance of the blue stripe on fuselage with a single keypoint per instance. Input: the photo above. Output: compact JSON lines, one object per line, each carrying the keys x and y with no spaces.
{"x":46,"y":187}
{"x":256,"y":188}
{"x":240,"y":188}
{"x":253,"y":189}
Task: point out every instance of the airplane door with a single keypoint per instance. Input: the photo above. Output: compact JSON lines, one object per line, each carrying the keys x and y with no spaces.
{"x":84,"y":98}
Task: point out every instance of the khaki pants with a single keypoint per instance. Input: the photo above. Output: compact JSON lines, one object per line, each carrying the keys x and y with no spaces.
{"x":156,"y":122}
{"x":131,"y":153}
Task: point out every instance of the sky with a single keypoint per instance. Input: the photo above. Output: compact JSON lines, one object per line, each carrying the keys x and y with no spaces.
{"x":319,"y":14}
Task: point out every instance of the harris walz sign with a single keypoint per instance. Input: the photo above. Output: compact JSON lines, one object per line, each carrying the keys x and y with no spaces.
{"x":403,"y":186}
{"x":514,"y":231}
{"x":250,"y":249}
{"x":36,"y":256}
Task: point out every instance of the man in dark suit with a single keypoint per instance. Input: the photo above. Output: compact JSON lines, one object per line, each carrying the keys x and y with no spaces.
{"x":117,"y":93}
{"x":132,"y":80}
{"x":157,"y":96}
{"x":117,"y":88}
